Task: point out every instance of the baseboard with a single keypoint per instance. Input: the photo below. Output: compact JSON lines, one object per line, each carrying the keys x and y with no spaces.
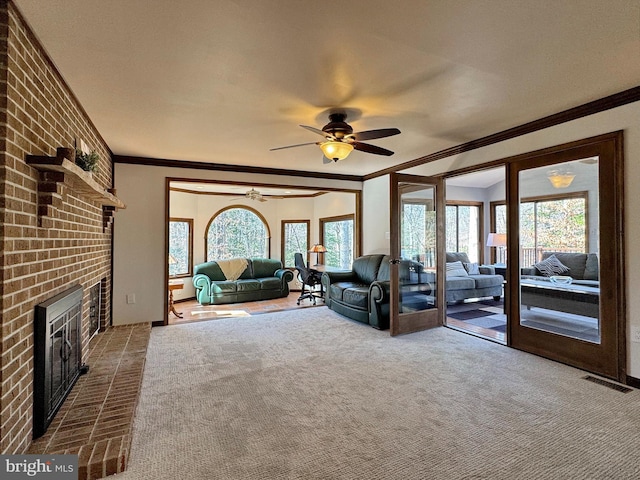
{"x":633,"y":382}
{"x":187,"y":299}
{"x":157,"y":323}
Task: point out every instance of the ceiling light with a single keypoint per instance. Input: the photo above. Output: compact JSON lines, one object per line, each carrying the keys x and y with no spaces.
{"x":336,"y":150}
{"x":560,"y":179}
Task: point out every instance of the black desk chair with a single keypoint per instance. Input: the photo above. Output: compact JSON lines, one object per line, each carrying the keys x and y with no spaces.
{"x":308,"y":278}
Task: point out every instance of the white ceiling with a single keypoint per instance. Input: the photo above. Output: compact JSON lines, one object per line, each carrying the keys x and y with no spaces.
{"x":224,"y":81}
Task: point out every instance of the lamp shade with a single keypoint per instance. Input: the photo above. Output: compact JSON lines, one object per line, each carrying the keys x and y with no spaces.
{"x":318,"y":248}
{"x":336,"y":150}
{"x":497,"y":240}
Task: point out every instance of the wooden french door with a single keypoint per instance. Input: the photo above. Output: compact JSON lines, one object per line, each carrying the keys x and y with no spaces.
{"x":416,"y":232}
{"x":580,"y":323}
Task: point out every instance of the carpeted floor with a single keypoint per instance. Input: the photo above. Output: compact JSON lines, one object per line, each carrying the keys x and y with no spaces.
{"x":311,"y":395}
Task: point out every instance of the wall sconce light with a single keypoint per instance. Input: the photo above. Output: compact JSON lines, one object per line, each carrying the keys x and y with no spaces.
{"x":560,"y":179}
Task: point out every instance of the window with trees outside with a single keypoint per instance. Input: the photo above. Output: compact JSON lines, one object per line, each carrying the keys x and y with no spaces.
{"x":418,"y":218}
{"x":337,"y":235}
{"x":180,"y":247}
{"x":463,"y":229}
{"x":295,"y":239}
{"x":557,"y":224}
{"x":237,"y":232}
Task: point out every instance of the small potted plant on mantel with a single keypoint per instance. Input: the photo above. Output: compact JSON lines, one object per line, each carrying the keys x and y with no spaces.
{"x":87,"y":161}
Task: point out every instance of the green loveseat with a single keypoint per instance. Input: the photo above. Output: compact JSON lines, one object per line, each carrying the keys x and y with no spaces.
{"x":262,"y":279}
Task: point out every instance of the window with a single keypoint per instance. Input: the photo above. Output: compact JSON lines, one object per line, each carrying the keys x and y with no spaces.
{"x":417,"y":222}
{"x":180,"y":247}
{"x":550,"y":223}
{"x":295,"y":238}
{"x":463,"y":229}
{"x":337,"y":235}
{"x":237,"y":232}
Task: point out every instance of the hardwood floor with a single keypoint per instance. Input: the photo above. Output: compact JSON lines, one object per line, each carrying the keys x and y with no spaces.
{"x":192,"y":311}
{"x":487,"y":333}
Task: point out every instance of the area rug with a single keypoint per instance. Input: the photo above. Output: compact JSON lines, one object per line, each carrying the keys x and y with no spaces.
{"x":311,"y":395}
{"x":486,"y":313}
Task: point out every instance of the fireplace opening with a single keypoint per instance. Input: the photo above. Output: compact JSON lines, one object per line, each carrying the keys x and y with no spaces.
{"x":57,"y":354}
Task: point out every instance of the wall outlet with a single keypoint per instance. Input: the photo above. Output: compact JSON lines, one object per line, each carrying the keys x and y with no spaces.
{"x":635,"y":334}
{"x":131,"y":298}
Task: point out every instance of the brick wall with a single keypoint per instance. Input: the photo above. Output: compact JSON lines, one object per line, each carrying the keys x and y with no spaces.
{"x":38,"y":114}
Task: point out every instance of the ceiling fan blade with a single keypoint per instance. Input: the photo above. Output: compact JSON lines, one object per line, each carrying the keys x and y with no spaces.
{"x":315,"y":130}
{"x":293,"y":146}
{"x":365,"y":147}
{"x":371,"y":134}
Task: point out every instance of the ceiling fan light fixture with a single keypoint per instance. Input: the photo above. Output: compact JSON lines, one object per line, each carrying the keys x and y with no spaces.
{"x":336,"y":150}
{"x":560,"y":179}
{"x":253,"y":194}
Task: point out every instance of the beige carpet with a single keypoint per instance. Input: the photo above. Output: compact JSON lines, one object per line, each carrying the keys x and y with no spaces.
{"x":311,"y":395}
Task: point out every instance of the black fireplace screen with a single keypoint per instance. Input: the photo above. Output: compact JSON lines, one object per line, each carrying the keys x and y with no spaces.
{"x":57,"y":354}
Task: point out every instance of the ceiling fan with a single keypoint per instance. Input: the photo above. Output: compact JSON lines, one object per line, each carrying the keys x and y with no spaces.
{"x":254,"y":194}
{"x":340,"y":140}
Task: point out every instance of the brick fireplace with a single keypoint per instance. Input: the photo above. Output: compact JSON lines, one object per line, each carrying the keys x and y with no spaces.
{"x":54,"y":235}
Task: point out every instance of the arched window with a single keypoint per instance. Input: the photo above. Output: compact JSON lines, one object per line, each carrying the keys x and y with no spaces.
{"x":236,"y":232}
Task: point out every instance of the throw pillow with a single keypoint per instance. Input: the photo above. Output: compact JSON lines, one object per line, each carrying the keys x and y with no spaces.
{"x":551,"y":266}
{"x":472,"y":268}
{"x":456,"y":269}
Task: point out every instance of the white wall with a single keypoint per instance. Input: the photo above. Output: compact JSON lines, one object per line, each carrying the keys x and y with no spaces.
{"x":624,"y":118}
{"x":139,"y":232}
{"x":375,"y":216}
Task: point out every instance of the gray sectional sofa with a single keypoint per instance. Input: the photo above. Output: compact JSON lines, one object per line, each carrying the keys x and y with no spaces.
{"x":486,"y":283}
{"x":583,"y":268}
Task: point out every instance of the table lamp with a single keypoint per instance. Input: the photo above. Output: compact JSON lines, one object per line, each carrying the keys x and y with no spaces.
{"x":318,"y":249}
{"x":498,"y":240}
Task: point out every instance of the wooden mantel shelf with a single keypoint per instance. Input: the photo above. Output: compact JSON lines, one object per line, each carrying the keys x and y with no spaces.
{"x":81,"y":181}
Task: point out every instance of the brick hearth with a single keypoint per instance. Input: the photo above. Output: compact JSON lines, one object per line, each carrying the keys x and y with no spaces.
{"x":95,"y":420}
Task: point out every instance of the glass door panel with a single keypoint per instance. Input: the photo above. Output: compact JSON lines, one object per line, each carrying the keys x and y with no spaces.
{"x":414,"y":269}
{"x":565,"y":223}
{"x":559,"y":287}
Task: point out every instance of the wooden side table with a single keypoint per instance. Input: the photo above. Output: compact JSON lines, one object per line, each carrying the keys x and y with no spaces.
{"x":174,"y":285}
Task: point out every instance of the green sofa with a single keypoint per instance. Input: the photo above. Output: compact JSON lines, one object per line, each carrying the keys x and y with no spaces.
{"x":262,"y":279}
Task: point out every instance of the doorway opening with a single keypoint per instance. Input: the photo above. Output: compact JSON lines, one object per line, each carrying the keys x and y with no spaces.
{"x":476,"y":269}
{"x":289,"y":220}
